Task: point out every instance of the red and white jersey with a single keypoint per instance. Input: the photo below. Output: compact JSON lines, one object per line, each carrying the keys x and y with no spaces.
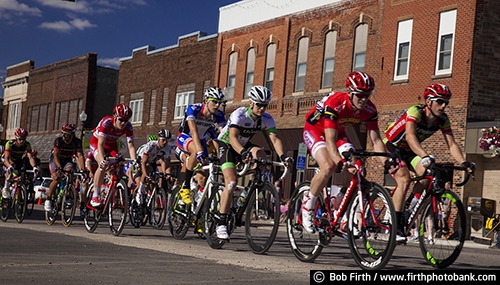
{"x":105,"y":128}
{"x":334,"y":111}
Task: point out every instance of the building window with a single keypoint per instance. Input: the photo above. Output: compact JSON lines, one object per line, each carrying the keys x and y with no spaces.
{"x":329,"y":59}
{"x":271,"y":56}
{"x":152,"y":108}
{"x":360,"y":47}
{"x":444,"y":58}
{"x":231,"y":76}
{"x":300,"y":79}
{"x":137,"y":107}
{"x":14,"y":115}
{"x":250,"y":71}
{"x":403,"y":49}
{"x":182,"y":100}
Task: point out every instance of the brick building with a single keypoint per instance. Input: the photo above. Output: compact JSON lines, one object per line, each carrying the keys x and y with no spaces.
{"x":159,"y":83}
{"x":50,"y":96}
{"x":404,"y":44}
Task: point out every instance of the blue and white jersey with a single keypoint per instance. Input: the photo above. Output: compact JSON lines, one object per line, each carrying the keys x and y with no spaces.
{"x":153,"y":152}
{"x":242,"y":119}
{"x":205,"y":126}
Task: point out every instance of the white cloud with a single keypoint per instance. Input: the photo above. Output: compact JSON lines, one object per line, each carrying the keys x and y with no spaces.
{"x":13,"y":6}
{"x":63,"y":26}
{"x":82,"y":24}
{"x":109,"y":62}
{"x":77,"y":6}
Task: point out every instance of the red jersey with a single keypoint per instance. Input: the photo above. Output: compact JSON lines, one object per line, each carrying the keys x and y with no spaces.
{"x":334,"y":111}
{"x":105,"y":128}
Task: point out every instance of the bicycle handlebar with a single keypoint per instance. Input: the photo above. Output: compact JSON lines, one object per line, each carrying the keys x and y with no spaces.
{"x":349,"y":154}
{"x":450,"y":166}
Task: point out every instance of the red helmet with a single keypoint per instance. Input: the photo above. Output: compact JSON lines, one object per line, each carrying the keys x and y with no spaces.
{"x":21,"y":134}
{"x":360,"y":82}
{"x":437,"y":91}
{"x":123,"y":111}
{"x":68,"y":129}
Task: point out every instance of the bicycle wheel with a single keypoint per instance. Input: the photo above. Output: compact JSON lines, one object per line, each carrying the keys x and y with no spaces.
{"x":91,"y":215}
{"x":262,"y":218}
{"x":158,"y":208}
{"x":446,"y":243}
{"x":305,"y":246}
{"x":30,"y":203}
{"x":179,"y":216}
{"x":118,"y":208}
{"x":50,"y":216}
{"x":20,"y":204}
{"x":375,"y":239}
{"x":136,"y":212}
{"x":68,"y":205}
{"x":5,"y":204}
{"x":211,"y":207}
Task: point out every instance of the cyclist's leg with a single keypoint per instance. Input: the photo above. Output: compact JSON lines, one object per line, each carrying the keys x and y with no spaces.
{"x":228,"y":166}
{"x":56,"y":179}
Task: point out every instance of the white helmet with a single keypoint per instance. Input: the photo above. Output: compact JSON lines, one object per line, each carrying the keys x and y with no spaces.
{"x":260,"y":94}
{"x":214,"y":93}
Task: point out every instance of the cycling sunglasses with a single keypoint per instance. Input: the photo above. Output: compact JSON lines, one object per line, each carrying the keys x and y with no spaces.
{"x":261,"y":105}
{"x":215,"y":101}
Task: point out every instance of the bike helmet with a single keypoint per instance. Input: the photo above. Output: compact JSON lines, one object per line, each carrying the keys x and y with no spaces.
{"x":360,"y":82}
{"x":259,"y":94}
{"x":123,"y":111}
{"x":152,"y":138}
{"x":437,"y":91}
{"x":162,"y":133}
{"x":21,"y":134}
{"x":68,"y":129}
{"x":214,"y":93}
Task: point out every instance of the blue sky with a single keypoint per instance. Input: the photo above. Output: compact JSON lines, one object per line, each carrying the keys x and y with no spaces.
{"x":48,"y":31}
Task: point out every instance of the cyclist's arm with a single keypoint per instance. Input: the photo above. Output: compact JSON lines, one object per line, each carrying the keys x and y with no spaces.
{"x":412,"y":140}
{"x":331,"y":136}
{"x":80,"y":160}
{"x":378,"y":144}
{"x":277,"y":143}
{"x":455,"y":150}
{"x":193,"y":130}
{"x":56,"y":158}
{"x":131,"y":149}
{"x":8,"y":160}
{"x":234,"y":133}
{"x":31,"y":159}
{"x":144,"y":166}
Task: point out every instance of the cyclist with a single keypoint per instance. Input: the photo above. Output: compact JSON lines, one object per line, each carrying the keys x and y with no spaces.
{"x":201,"y":123}
{"x":406,"y":134}
{"x":325,"y":137}
{"x":13,"y":157}
{"x":235,"y":146}
{"x":156,"y":150}
{"x":61,"y":158}
{"x":104,"y":142}
{"x":92,"y":165}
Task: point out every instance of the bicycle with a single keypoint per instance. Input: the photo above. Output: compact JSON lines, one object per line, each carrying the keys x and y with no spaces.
{"x":446,"y":242}
{"x":29,"y":184}
{"x":114,"y":193}
{"x":18,"y":199}
{"x":259,"y":203}
{"x":153,"y":206}
{"x":369,"y":229}
{"x":66,"y":200}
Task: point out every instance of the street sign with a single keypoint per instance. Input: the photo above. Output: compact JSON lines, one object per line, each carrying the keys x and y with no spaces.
{"x":301,"y":158}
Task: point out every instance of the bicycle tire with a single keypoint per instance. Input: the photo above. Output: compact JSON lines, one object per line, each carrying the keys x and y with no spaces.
{"x":91,"y":217}
{"x":374,"y":248}
{"x":447,"y":246}
{"x":68,"y":205}
{"x":262,"y":218}
{"x":20,"y":204}
{"x":179,"y":215}
{"x":305,"y":246}
{"x":211,"y":207}
{"x":30,"y":204}
{"x":50,"y":216}
{"x":6,"y":205}
{"x":135,"y":212}
{"x":158,"y":208}
{"x":118,"y":208}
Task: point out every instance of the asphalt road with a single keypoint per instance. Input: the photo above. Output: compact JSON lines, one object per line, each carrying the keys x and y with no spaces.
{"x":35,"y":253}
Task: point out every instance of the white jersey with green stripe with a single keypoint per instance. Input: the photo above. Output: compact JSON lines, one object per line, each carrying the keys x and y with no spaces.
{"x":242,"y":119}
